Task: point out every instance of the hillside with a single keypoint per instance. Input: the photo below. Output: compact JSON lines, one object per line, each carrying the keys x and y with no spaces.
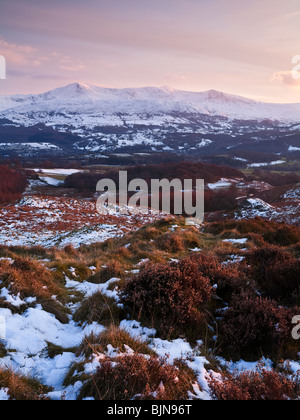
{"x":96,"y":316}
{"x":89,"y":301}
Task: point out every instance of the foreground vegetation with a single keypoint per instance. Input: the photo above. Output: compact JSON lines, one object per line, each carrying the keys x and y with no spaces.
{"x":233,"y":287}
{"x":12,"y":185}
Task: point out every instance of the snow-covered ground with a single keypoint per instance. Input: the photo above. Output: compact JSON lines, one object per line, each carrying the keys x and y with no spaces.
{"x":51,"y":181}
{"x":262,"y":164}
{"x":255,"y":207}
{"x":63,"y":172}
{"x":27,"y":337}
{"x":59,"y":221}
{"x":237,"y":241}
{"x":40,"y":146}
{"x":221,"y":184}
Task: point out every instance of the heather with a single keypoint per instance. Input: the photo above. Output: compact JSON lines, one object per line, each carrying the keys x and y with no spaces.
{"x":157,"y":312}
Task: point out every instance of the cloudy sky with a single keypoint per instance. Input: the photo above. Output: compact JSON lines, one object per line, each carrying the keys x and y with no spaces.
{"x":237,"y":46}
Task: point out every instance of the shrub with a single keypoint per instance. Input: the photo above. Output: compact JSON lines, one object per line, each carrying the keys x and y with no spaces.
{"x":260,"y":259}
{"x":215,"y":200}
{"x":229,"y":278}
{"x":135,"y":377}
{"x":170,"y":296}
{"x":12,"y":185}
{"x":283,"y":235}
{"x":253,"y":325}
{"x":260,"y":385}
{"x":276,"y":273}
{"x":221,"y":199}
{"x":282,"y":281}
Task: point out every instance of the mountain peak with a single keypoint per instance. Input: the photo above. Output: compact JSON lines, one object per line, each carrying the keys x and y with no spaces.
{"x":72,"y":91}
{"x":80,"y":87}
{"x":167,"y":89}
{"x":216,"y":95}
{"x":74,"y":88}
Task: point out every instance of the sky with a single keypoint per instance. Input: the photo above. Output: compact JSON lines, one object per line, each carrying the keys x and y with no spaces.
{"x":248,"y":48}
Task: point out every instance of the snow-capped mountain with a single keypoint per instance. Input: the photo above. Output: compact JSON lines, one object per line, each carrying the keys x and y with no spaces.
{"x":98,"y":119}
{"x":85,"y":99}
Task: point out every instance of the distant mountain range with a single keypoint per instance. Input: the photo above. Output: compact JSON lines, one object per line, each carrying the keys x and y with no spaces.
{"x":96,"y":121}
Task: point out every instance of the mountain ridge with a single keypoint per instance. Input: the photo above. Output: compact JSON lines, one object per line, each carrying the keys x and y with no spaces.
{"x":89,"y":119}
{"x":73,"y":90}
{"x":85,"y":87}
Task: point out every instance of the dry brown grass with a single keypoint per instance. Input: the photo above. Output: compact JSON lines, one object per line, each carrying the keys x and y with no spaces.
{"x":22,"y":388}
{"x":113,"y":269}
{"x":134,"y":377}
{"x":98,"y":308}
{"x":261,"y":385}
{"x":117,"y":338}
{"x":30,"y":278}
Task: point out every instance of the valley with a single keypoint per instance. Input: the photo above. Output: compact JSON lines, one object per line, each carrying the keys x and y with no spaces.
{"x":106,"y":125}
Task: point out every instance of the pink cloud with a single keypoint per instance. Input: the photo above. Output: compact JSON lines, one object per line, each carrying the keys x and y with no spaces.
{"x":27,"y":60}
{"x":287,"y":78}
{"x":17,"y":54}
